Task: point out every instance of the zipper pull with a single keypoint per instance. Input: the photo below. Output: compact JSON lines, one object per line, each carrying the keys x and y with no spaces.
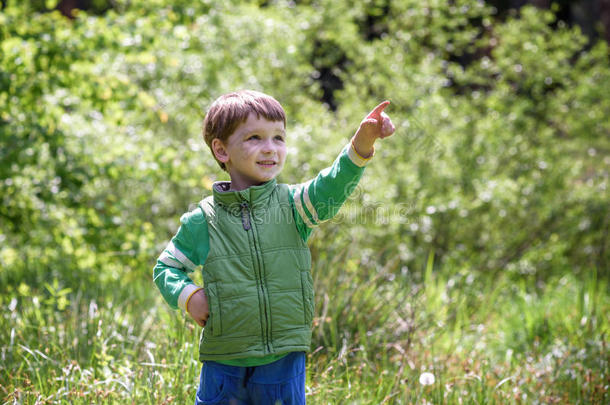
{"x":245,"y":217}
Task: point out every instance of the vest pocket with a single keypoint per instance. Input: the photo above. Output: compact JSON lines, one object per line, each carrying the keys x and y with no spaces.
{"x":214,"y":318}
{"x":307,"y":287}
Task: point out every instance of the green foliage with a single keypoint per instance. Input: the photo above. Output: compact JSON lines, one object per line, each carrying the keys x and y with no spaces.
{"x":100,"y":118}
{"x":489,"y":160}
{"x":480,"y":227}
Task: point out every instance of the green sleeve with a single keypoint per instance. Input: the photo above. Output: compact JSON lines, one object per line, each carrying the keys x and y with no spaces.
{"x":186,"y":250}
{"x":319,"y":199}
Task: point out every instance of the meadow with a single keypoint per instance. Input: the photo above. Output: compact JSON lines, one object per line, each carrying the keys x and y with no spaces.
{"x":493,"y":341}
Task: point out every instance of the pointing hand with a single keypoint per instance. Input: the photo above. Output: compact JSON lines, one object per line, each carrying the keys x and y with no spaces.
{"x":376,"y":125}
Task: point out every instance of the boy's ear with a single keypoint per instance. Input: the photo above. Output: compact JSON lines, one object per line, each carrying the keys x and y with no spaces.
{"x":220,"y":151}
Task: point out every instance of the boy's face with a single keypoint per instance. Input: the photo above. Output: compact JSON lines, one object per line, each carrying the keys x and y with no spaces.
{"x":254,"y":153}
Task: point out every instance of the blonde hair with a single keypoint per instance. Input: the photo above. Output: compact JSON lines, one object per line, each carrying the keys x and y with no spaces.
{"x":230,"y":110}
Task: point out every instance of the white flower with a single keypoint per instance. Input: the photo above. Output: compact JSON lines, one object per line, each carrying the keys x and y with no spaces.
{"x":426,"y":378}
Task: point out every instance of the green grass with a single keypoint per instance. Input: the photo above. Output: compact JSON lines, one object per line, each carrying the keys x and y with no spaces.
{"x":487,"y":340}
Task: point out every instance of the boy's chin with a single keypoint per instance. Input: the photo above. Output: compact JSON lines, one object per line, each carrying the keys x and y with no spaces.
{"x":258,"y":180}
{"x":267,"y":178}
{"x":269,"y":175}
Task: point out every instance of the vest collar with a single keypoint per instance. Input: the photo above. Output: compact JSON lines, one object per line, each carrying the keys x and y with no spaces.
{"x":254,"y":196}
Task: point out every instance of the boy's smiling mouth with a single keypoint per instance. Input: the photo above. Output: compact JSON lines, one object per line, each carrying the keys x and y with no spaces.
{"x":267,"y":163}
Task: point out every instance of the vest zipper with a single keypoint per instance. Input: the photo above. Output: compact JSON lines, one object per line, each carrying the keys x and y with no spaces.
{"x":245,"y":217}
{"x":247,"y":224}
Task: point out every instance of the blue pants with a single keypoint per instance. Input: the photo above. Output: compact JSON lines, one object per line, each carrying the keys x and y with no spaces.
{"x":281,"y":382}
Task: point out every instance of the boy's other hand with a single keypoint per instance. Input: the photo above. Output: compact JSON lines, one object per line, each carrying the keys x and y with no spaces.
{"x":198,"y":308}
{"x":376,"y":124}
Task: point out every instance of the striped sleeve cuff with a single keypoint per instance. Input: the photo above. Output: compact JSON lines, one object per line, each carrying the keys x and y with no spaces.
{"x":356,"y":158}
{"x":186,"y":294}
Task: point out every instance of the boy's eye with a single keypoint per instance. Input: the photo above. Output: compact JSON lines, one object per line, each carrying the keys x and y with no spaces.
{"x":253,"y":137}
{"x":279,"y":138}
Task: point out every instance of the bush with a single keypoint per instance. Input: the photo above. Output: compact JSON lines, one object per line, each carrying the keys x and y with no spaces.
{"x":499,"y":162}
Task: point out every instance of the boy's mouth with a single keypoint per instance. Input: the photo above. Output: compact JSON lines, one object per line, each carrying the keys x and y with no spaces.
{"x":267,"y":163}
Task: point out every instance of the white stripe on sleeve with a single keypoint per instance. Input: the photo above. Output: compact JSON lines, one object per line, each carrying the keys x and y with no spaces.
{"x":166,"y":259}
{"x":299,"y":206}
{"x":180,"y":256}
{"x":308,"y":203}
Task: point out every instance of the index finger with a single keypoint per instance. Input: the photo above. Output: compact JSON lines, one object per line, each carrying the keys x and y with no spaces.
{"x":376,"y":113}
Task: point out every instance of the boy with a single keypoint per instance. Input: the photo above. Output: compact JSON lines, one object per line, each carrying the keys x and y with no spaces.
{"x":257,"y":303}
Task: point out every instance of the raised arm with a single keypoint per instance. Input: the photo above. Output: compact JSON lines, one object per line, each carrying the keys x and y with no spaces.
{"x":319,"y":199}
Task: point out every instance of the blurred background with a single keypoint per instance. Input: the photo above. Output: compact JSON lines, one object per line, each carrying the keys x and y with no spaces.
{"x":479,"y":234}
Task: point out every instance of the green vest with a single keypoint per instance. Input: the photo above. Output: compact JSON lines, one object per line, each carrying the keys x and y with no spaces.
{"x":257,"y":275}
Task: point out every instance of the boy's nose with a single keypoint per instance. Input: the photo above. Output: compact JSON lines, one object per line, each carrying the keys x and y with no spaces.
{"x":268,"y":146}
